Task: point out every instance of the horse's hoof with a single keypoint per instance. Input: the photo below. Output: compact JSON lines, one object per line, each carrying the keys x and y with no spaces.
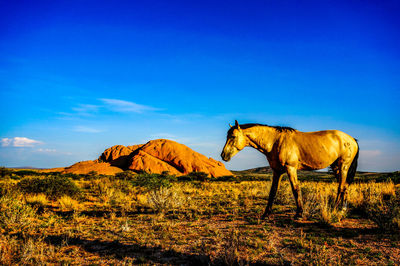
{"x":265,"y":215}
{"x":298,"y":216}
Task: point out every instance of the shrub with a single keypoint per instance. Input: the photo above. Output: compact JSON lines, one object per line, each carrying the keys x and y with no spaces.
{"x":164,"y":199}
{"x":70,"y":175}
{"x":153,"y":181}
{"x":113,"y":193}
{"x":160,"y":199}
{"x":195,"y":176}
{"x":5,"y":172}
{"x":383,"y":210}
{"x":126,"y":175}
{"x":14,"y":213}
{"x":228,"y":178}
{"x":92,"y":175}
{"x":24,"y":173}
{"x":52,"y":186}
{"x":7,"y":188}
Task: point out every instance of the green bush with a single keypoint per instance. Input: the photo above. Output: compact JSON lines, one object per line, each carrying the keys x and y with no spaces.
{"x":8,"y":189}
{"x":227,"y":178}
{"x":53,"y":186}
{"x":68,"y":175}
{"x":240,"y":178}
{"x":125,"y":175}
{"x":194,"y":176}
{"x":153,"y":181}
{"x":23,"y":173}
{"x":5,"y":172}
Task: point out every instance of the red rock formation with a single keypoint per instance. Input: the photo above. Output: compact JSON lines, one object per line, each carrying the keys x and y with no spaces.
{"x":156,"y":156}
{"x":86,"y":167}
{"x":118,"y":155}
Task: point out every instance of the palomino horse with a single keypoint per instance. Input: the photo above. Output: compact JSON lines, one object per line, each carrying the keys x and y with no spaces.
{"x":288,"y":150}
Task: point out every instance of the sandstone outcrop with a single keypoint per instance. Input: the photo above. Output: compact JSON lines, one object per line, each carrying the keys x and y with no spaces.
{"x":165,"y":155}
{"x":86,"y":167}
{"x":156,"y":156}
{"x":118,"y":155}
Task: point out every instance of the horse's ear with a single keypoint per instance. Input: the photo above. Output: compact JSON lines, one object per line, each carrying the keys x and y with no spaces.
{"x":237,"y":124}
{"x":230,"y":125}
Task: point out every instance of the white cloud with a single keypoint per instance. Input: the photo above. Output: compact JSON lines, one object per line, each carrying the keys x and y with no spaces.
{"x":126,"y":106}
{"x":47,"y":150}
{"x":86,"y":129}
{"x":86,"y":109}
{"x":19,"y":142}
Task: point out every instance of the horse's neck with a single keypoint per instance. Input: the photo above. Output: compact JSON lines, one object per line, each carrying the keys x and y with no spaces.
{"x":261,"y":138}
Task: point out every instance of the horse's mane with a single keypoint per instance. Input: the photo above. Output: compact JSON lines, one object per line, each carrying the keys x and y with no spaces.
{"x":278,"y":128}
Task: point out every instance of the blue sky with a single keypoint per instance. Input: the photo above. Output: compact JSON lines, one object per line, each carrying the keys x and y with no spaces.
{"x":79,"y":76}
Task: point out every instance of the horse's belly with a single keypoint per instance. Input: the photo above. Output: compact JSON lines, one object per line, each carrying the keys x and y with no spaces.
{"x":313,"y":166}
{"x":314,"y":162}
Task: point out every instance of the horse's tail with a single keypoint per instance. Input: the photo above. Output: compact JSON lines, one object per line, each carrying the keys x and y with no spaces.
{"x":353,"y":167}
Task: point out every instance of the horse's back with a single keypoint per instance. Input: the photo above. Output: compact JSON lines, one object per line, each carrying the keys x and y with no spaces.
{"x":319,"y":149}
{"x":325,"y":135}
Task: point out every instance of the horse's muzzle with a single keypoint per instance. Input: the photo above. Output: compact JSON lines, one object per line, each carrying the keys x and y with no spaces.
{"x":224,"y":157}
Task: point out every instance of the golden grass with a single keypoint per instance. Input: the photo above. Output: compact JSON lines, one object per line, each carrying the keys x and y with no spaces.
{"x":39,"y":200}
{"x":68,"y":204}
{"x":218,"y":222}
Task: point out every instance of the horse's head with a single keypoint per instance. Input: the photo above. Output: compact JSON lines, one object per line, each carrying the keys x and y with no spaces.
{"x":235,"y":142}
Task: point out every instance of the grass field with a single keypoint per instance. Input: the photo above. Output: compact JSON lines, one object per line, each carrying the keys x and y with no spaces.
{"x":158,"y":219}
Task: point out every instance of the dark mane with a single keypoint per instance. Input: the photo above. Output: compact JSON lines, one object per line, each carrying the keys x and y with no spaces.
{"x":278,"y":128}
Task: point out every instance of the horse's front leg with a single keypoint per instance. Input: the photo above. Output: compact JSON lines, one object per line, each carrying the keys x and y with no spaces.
{"x":292,"y":173}
{"x":276,"y":178}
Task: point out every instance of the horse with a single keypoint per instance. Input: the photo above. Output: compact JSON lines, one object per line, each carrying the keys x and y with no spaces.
{"x":288,"y":150}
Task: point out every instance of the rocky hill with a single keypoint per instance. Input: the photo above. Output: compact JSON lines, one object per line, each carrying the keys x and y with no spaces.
{"x":156,"y":156}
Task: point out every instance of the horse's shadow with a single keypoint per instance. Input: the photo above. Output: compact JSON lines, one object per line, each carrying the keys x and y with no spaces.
{"x":283,"y":221}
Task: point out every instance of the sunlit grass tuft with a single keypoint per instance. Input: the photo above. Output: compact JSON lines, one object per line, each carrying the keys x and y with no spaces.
{"x":37,"y":200}
{"x":68,"y":204}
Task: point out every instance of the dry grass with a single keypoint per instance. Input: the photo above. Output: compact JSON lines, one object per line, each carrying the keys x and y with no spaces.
{"x":115,"y":222}
{"x":37,"y":200}
{"x":68,"y":204}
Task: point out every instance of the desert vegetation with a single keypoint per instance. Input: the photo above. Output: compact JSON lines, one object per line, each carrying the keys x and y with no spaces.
{"x":49,"y":218}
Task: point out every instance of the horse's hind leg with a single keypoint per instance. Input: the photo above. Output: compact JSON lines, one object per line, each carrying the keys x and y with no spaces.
{"x":335,"y":170}
{"x":276,"y":178}
{"x":343,"y":185}
{"x":292,"y":173}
